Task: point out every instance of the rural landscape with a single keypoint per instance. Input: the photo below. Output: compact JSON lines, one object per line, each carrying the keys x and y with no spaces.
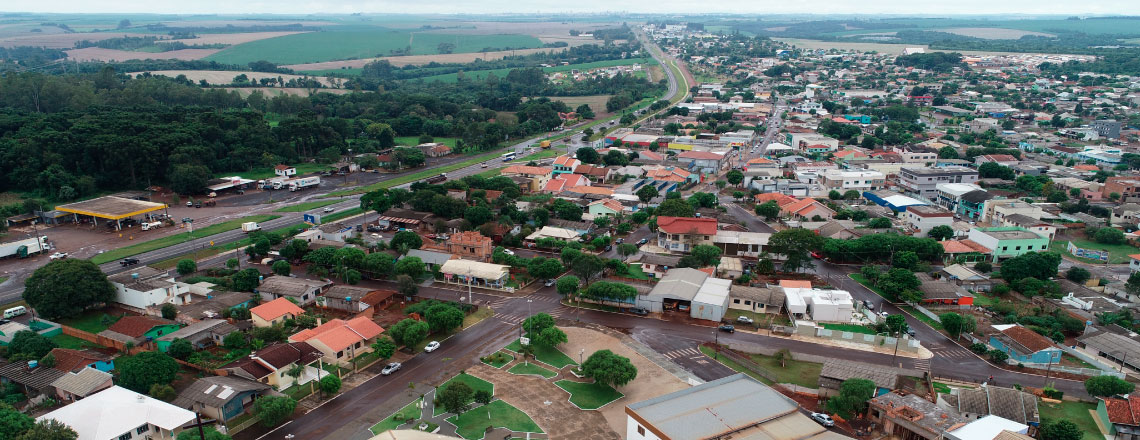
{"x":225,"y":222}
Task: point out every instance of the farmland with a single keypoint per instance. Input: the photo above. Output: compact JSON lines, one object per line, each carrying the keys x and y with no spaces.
{"x":360,"y":43}
{"x":482,"y":74}
{"x":413,"y":60}
{"x":223,"y":77}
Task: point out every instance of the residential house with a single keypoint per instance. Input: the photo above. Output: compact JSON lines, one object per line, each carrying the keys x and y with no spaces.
{"x":214,"y":305}
{"x":1036,"y":226}
{"x":73,"y":386}
{"x":470,"y":245}
{"x":400,"y":218}
{"x":819,"y":305}
{"x":702,"y":161}
{"x":844,"y":181}
{"x":271,"y":365}
{"x":1127,"y":187}
{"x":688,"y":290}
{"x":672,"y":174}
{"x":967,"y":249}
{"x":565,"y":165}
{"x":285,"y":170}
{"x":119,"y":413}
{"x":806,"y":209}
{"x":432,"y":260}
{"x":741,"y":243}
{"x":578,"y":227}
{"x":943,"y":292}
{"x":434,"y":149}
{"x":602,"y":174}
{"x":32,"y":381}
{"x":921,"y":219}
{"x":971,"y":205}
{"x":274,"y":312}
{"x":968,"y":278}
{"x":655,"y":265}
{"x":912,"y":417}
{"x":144,"y":286}
{"x":991,"y":428}
{"x":980,"y":125}
{"x":605,"y":207}
{"x":1134,"y":263}
{"x":341,"y":341}
{"x":1007,"y":242}
{"x":201,"y":334}
{"x":756,"y":299}
{"x":1126,"y":214}
{"x":996,"y":210}
{"x":221,"y":398}
{"x":924,"y":181}
{"x":886,"y":378}
{"x":70,"y":360}
{"x":303,"y":291}
{"x":811,"y":142}
{"x":1000,"y":159}
{"x":681,"y":234}
{"x":1119,"y":349}
{"x":1024,"y":345}
{"x":1120,"y":415}
{"x":139,"y":329}
{"x":563,"y":182}
{"x":738,"y":404}
{"x":552,"y":232}
{"x":538,"y":176}
{"x":988,"y":400}
{"x":350,"y":299}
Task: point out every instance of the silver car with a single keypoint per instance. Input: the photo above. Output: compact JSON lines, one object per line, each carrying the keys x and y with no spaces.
{"x":390,"y":368}
{"x":823,"y":419}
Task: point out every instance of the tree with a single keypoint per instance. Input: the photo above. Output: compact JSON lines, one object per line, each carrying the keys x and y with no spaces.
{"x":186,"y":266}
{"x":550,"y":337}
{"x":188,"y":179}
{"x":896,"y":324}
{"x":384,"y":347}
{"x":409,"y":332}
{"x":67,"y":287}
{"x":12,"y":422}
{"x":282,"y":267}
{"x":995,"y":170}
{"x":906,"y":260}
{"x":796,"y":245}
{"x":735,"y":177}
{"x":587,"y":267}
{"x":139,"y":372}
{"x":608,"y":368}
{"x":410,"y":266}
{"x":273,"y":409}
{"x":211,"y":434}
{"x":706,"y":255}
{"x":703,"y":200}
{"x":234,"y":341}
{"x":567,"y":285}
{"x":295,"y":250}
{"x":246,"y":280}
{"x":647,"y":193}
{"x":406,"y":240}
{"x":162,"y":392}
{"x":330,"y":384}
{"x":443,"y":317}
{"x":484,"y":397}
{"x":879,"y":223}
{"x":948,"y":152}
{"x":834,"y":195}
{"x":180,"y":349}
{"x":1104,"y":386}
{"x":1040,"y":265}
{"x":1061,"y":429}
{"x":852,"y":398}
{"x":455,"y":397}
{"x":676,"y":208}
{"x":566,"y":210}
{"x":851,"y":195}
{"x":585,"y":111}
{"x":983,"y":266}
{"x":29,"y":345}
{"x":49,"y":429}
{"x":544,"y":268}
{"x":1109,"y":236}
{"x":478,"y":215}
{"x":1078,"y":274}
{"x":536,"y":323}
{"x":953,"y":323}
{"x":769,"y":210}
{"x":941,"y":232}
{"x":587,"y":155}
{"x":997,"y":356}
{"x":407,"y":286}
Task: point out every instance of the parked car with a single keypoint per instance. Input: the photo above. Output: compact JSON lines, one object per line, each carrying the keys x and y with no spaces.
{"x":910,"y":331}
{"x":823,"y":419}
{"x":642,"y":241}
{"x":869,"y":304}
{"x":129,"y":262}
{"x":744,"y":320}
{"x":328,"y":209}
{"x":58,"y":256}
{"x":727,"y":328}
{"x":884,"y":314}
{"x":509,"y":252}
{"x":431,"y":346}
{"x":619,"y":241}
{"x":484,"y":165}
{"x":390,"y":368}
{"x":189,"y":203}
{"x":638,"y":311}
{"x":372,"y":228}
{"x":549,"y":283}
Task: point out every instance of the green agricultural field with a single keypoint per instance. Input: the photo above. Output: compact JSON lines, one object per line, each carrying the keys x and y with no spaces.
{"x":334,"y":45}
{"x":482,"y":74}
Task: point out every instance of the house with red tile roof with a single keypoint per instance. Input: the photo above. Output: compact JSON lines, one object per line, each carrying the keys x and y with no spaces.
{"x":595,"y":190}
{"x":341,"y":341}
{"x":807,"y":208}
{"x":271,"y":365}
{"x":952,"y":249}
{"x":139,"y":329}
{"x":760,"y":162}
{"x":538,"y":175}
{"x":672,"y":174}
{"x":1000,"y":159}
{"x":72,"y":361}
{"x":274,"y":312}
{"x":780,"y":199}
{"x":1121,"y":415}
{"x":565,"y":165}
{"x":284,"y":170}
{"x":604,"y":207}
{"x":681,"y":234}
{"x":1024,"y":345}
{"x":562,"y":182}
{"x":595,"y":173}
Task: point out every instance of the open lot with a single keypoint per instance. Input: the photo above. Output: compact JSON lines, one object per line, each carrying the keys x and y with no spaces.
{"x":1117,"y":253}
{"x":1076,"y":412}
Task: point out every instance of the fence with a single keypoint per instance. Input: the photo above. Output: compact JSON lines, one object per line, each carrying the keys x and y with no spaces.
{"x":1070,"y":370}
{"x":747,"y":347}
{"x":1089,"y":359}
{"x":103,"y":340}
{"x":926,"y":312}
{"x":747,"y":363}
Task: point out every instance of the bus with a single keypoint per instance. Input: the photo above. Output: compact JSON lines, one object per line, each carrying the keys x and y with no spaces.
{"x":509,"y":156}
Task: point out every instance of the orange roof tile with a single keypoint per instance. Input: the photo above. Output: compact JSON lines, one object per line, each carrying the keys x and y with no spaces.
{"x":685,"y":225}
{"x":276,"y":309}
{"x":339,"y":334}
{"x":528,"y":170}
{"x":799,"y":284}
{"x":581,"y":189}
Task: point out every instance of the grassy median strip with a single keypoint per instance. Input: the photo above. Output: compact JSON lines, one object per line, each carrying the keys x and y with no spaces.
{"x":215,"y":250}
{"x":306,"y":206}
{"x":342,"y":214}
{"x":415,"y":176}
{"x":180,"y":237}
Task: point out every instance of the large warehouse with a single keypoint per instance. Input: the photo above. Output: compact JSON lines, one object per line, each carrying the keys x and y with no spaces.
{"x":685,"y":289}
{"x":111,"y":208}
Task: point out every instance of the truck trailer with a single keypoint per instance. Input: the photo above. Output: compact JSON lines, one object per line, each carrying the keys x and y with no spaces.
{"x":304,"y":182}
{"x":25,"y":247}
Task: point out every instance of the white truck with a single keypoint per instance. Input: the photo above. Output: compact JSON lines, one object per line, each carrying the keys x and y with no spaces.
{"x":304,"y":182}
{"x":151,"y":225}
{"x":25,"y":247}
{"x":248,"y":227}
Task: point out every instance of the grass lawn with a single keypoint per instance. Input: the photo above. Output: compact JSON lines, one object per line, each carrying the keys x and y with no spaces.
{"x":498,"y":359}
{"x":90,"y":321}
{"x":266,"y":173}
{"x":1076,"y":412}
{"x":1117,"y":253}
{"x":801,"y":373}
{"x":306,"y":206}
{"x":474,"y":382}
{"x":415,"y":140}
{"x":72,"y":342}
{"x":940,"y":387}
{"x":528,"y":368}
{"x":636,"y":273}
{"x":849,"y":328}
{"x":859,"y":278}
{"x":325,"y":219}
{"x":589,"y":395}
{"x":472,"y":424}
{"x":983,"y":300}
{"x":412,"y":411}
{"x":177,"y":238}
{"x":548,"y":355}
{"x":415,"y":176}
{"x":922,"y":317}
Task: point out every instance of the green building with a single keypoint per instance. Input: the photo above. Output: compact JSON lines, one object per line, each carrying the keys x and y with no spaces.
{"x":1009,"y":241}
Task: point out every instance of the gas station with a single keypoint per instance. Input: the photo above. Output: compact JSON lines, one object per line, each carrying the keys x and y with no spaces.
{"x":110,"y":208}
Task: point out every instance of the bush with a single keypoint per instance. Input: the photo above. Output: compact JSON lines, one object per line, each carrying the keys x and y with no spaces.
{"x":979,"y":348}
{"x":186,"y":267}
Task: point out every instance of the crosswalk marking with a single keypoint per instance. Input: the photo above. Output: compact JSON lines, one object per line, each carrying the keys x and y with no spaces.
{"x":683,"y":353}
{"x":922,"y":364}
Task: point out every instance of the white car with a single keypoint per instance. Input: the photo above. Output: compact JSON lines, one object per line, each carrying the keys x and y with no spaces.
{"x":744,"y":320}
{"x":431,"y":346}
{"x":390,"y":368}
{"x":329,"y":209}
{"x":509,"y":252}
{"x":823,"y":419}
{"x":58,"y":256}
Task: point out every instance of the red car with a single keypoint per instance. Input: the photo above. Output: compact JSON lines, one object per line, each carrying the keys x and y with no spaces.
{"x":816,"y":255}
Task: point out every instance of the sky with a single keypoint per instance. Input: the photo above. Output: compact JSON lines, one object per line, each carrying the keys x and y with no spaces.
{"x":1083,"y":8}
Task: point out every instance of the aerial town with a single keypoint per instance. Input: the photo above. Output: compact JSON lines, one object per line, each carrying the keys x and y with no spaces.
{"x":680,"y":233}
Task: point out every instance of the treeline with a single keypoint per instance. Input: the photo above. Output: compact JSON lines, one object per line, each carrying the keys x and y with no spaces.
{"x":231,"y":29}
{"x":1064,"y":42}
{"x":1118,"y":62}
{"x":934,"y":61}
{"x":136,"y":43}
{"x":382,"y":69}
{"x":28,"y":56}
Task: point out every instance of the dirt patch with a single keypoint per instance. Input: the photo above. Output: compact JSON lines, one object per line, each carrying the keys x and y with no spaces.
{"x":58,"y":41}
{"x":238,"y":38}
{"x":100,"y":54}
{"x":994,"y":33}
{"x":416,"y":60}
{"x":227,"y":76}
{"x":652,"y":380}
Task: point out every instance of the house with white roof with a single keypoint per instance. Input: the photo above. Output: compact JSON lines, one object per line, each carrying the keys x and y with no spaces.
{"x":818,"y":304}
{"x":119,"y":413}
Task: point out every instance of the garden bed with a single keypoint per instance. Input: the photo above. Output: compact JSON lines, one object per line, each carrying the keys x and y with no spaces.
{"x":589,"y":396}
{"x":547,"y":355}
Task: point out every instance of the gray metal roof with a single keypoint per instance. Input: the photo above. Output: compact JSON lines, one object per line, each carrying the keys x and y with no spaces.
{"x":430,"y":257}
{"x":215,"y":391}
{"x":216,"y":326}
{"x":82,"y":383}
{"x":723,"y":405}
{"x":682,"y":283}
{"x":39,"y":378}
{"x":885,"y":377}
